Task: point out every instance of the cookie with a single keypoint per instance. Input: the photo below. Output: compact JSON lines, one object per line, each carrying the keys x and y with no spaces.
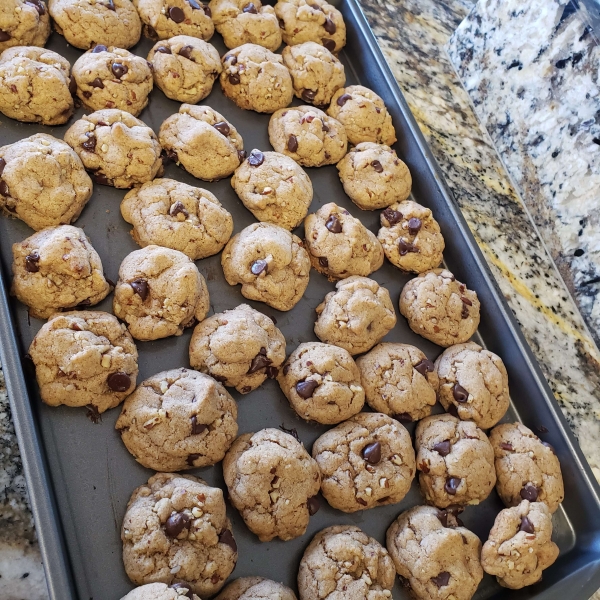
{"x":455,"y":460}
{"x":256,"y":79}
{"x":256,"y":588}
{"x":178,"y":419}
{"x":322,"y":383}
{"x":343,"y":562}
{"x":272,"y":481}
{"x":23,"y":23}
{"x":435,"y":556}
{"x":160,"y":292}
{"x":57,"y":269}
{"x":185,"y":68}
{"x":35,"y":85}
{"x":84,"y":358}
{"x":202,"y":141}
{"x":311,"y":21}
{"x":176,"y":531}
{"x":411,"y":237}
{"x":176,"y":215}
{"x":367,"y":461}
{"x":316,"y":73}
{"x":270,"y":263}
{"x":86,"y":23}
{"x":399,"y":381}
{"x":117,"y":148}
{"x":364,"y":115}
{"x":42,"y":182}
{"x":242,"y":22}
{"x":356,"y":316}
{"x":472,"y":384}
{"x":164,"y":19}
{"x":160,"y":591}
{"x":308,"y":135}
{"x":274,"y":188}
{"x":527,"y":468}
{"x":339,"y":245}
{"x":239,"y":347}
{"x":440,"y":308}
{"x":373,"y":176}
{"x":109,"y":77}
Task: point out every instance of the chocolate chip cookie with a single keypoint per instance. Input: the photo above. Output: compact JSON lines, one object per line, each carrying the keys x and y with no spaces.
{"x":343,"y":562}
{"x":119,"y":149}
{"x":473,"y":384}
{"x":35,"y":86}
{"x":256,"y":79}
{"x":202,"y":141}
{"x":274,"y":188}
{"x":176,"y":215}
{"x":311,"y":21}
{"x":161,"y":591}
{"x":109,"y":77}
{"x":455,"y":460}
{"x":256,"y":588}
{"x":23,"y":23}
{"x":185,"y":68}
{"x":339,"y":245}
{"x":56,"y":269}
{"x":527,"y":468}
{"x":356,"y":316}
{"x":86,"y":23}
{"x":367,"y":461}
{"x":272,"y":481}
{"x":160,"y":292}
{"x":322,"y":383}
{"x":270,"y":263}
{"x":239,"y":347}
{"x":84,"y":358}
{"x":308,"y":135}
{"x":435,"y":556}
{"x":411,"y":237}
{"x":176,"y":531}
{"x":243,"y":22}
{"x":316,"y":73}
{"x":178,"y":419}
{"x":399,"y":380}
{"x":440,"y":308}
{"x":373,"y":176}
{"x":42,"y":182}
{"x":164,"y":19}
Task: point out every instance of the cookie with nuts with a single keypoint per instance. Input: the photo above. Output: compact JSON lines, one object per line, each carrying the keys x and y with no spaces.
{"x":164,"y":19}
{"x":256,"y":588}
{"x":23,"y":23}
{"x":161,"y":591}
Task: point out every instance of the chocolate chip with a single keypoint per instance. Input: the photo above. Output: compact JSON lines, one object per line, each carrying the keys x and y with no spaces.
{"x":405,"y":247}
{"x":308,"y":95}
{"x":186,"y":51}
{"x":529,"y":492}
{"x":442,"y":579}
{"x":110,"y":5}
{"x":451,"y":485}
{"x":151,"y":32}
{"x":256,"y":158}
{"x":286,"y":369}
{"x":4,"y":37}
{"x":191,"y":459}
{"x":176,"y":524}
{"x":31,"y":262}
{"x":372,"y":453}
{"x":164,"y":50}
{"x":176,"y":14}
{"x":361,"y":501}
{"x":460,"y":394}
{"x":4,"y":189}
{"x":90,"y":143}
{"x":72,"y":86}
{"x":119,"y":70}
{"x":222,"y":127}
{"x":97,"y":83}
{"x":93,"y":414}
{"x":334,"y":224}
{"x":343,"y":99}
{"x":506,"y":446}
{"x":241,"y":156}
{"x":549,"y":446}
{"x":414,"y":225}
{"x":329,"y":26}
{"x":464,"y":313}
{"x":259,"y":266}
{"x":292,"y":143}
{"x":314,"y":504}
{"x":323,"y":261}
{"x":293,"y":432}
{"x":424,"y":367}
{"x":118,"y":382}
{"x":231,"y":59}
{"x":39,"y":6}
{"x":452,"y":410}
{"x":2,"y":165}
{"x":272,"y":372}
{"x":226,"y":537}
{"x":194,"y":4}
{"x":250,"y":8}
{"x":140,"y":287}
{"x":377,"y":166}
{"x":183,"y":586}
{"x":393,"y":217}
{"x":324,"y":127}
{"x":443,"y":448}
{"x":220,"y":378}
{"x":526,"y":525}
{"x":87,"y":94}
{"x":197,"y":428}
{"x":101,"y":178}
{"x":207,"y":11}
{"x":99,"y":48}
{"x":329,"y":44}
{"x":260,"y":361}
{"x":305,"y":389}
{"x":178,"y":209}
{"x":404,"y":417}
{"x":234,"y":78}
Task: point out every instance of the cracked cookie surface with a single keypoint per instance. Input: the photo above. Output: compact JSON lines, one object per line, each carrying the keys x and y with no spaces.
{"x":160,"y":292}
{"x":176,"y":215}
{"x":435,"y":556}
{"x":343,"y":562}
{"x":455,"y":460}
{"x":527,"y":468}
{"x":322,"y":383}
{"x":119,"y":149}
{"x":57,"y":269}
{"x":399,"y":381}
{"x":164,"y":19}
{"x":239,"y":347}
{"x":271,"y":481}
{"x":178,"y":419}
{"x":270,"y":263}
{"x":160,"y":591}
{"x":256,"y":588}
{"x":176,"y":530}
{"x":367,"y":461}
{"x":23,"y":23}
{"x":84,"y":358}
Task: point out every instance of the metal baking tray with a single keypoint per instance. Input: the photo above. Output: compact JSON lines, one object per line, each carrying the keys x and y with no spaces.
{"x":79,"y":474}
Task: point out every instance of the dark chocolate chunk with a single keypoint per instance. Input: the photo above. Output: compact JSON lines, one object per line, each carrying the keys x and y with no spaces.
{"x":292,"y":143}
{"x":176,"y":524}
{"x":404,"y":417}
{"x":308,"y":95}
{"x":329,"y":44}
{"x":323,"y":261}
{"x":334,"y":224}
{"x":466,"y":301}
{"x":183,"y":586}
{"x":305,"y":389}
{"x":424,"y":367}
{"x":177,"y":209}
{"x":442,"y":579}
{"x":110,"y":5}
{"x":330,"y":26}
{"x":38,"y":5}
{"x":90,"y":143}
{"x":87,"y":94}
{"x":377,"y":166}
{"x":119,"y":381}
{"x":414,"y":225}
{"x":451,"y":485}
{"x":234,"y":78}
{"x":72,"y":86}
{"x":529,"y":492}
{"x":460,"y":394}
{"x":526,"y":525}
{"x":99,"y":48}
{"x":241,"y":156}
{"x":405,"y":247}
{"x":256,"y":158}
{"x":259,"y":266}
{"x":97,"y":83}
{"x":176,"y":14}
{"x":452,"y":410}
{"x":119,"y":70}
{"x":197,"y":427}
{"x":4,"y":37}
{"x":372,"y":453}
{"x":443,"y":448}
{"x":191,"y":459}
{"x":393,"y":217}
{"x":343,"y":99}
{"x":226,"y":537}
{"x":222,"y":127}
{"x":272,"y":372}
{"x":314,"y":504}
{"x":464,"y":313}
{"x":140,"y":287}
{"x":31,"y":262}
{"x":260,"y":361}
{"x":186,"y":51}
{"x":164,"y":50}
{"x":207,"y":11}
{"x":250,"y":8}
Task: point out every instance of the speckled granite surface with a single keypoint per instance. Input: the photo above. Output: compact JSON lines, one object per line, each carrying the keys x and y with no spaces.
{"x":413,"y":34}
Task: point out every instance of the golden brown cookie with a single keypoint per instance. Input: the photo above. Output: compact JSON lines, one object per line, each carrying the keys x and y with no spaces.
{"x":23,"y":23}
{"x":164,"y":19}
{"x":256,"y":588}
{"x":161,"y":591}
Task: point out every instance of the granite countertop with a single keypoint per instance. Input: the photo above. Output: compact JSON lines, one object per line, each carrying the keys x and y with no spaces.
{"x":413,"y":35}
